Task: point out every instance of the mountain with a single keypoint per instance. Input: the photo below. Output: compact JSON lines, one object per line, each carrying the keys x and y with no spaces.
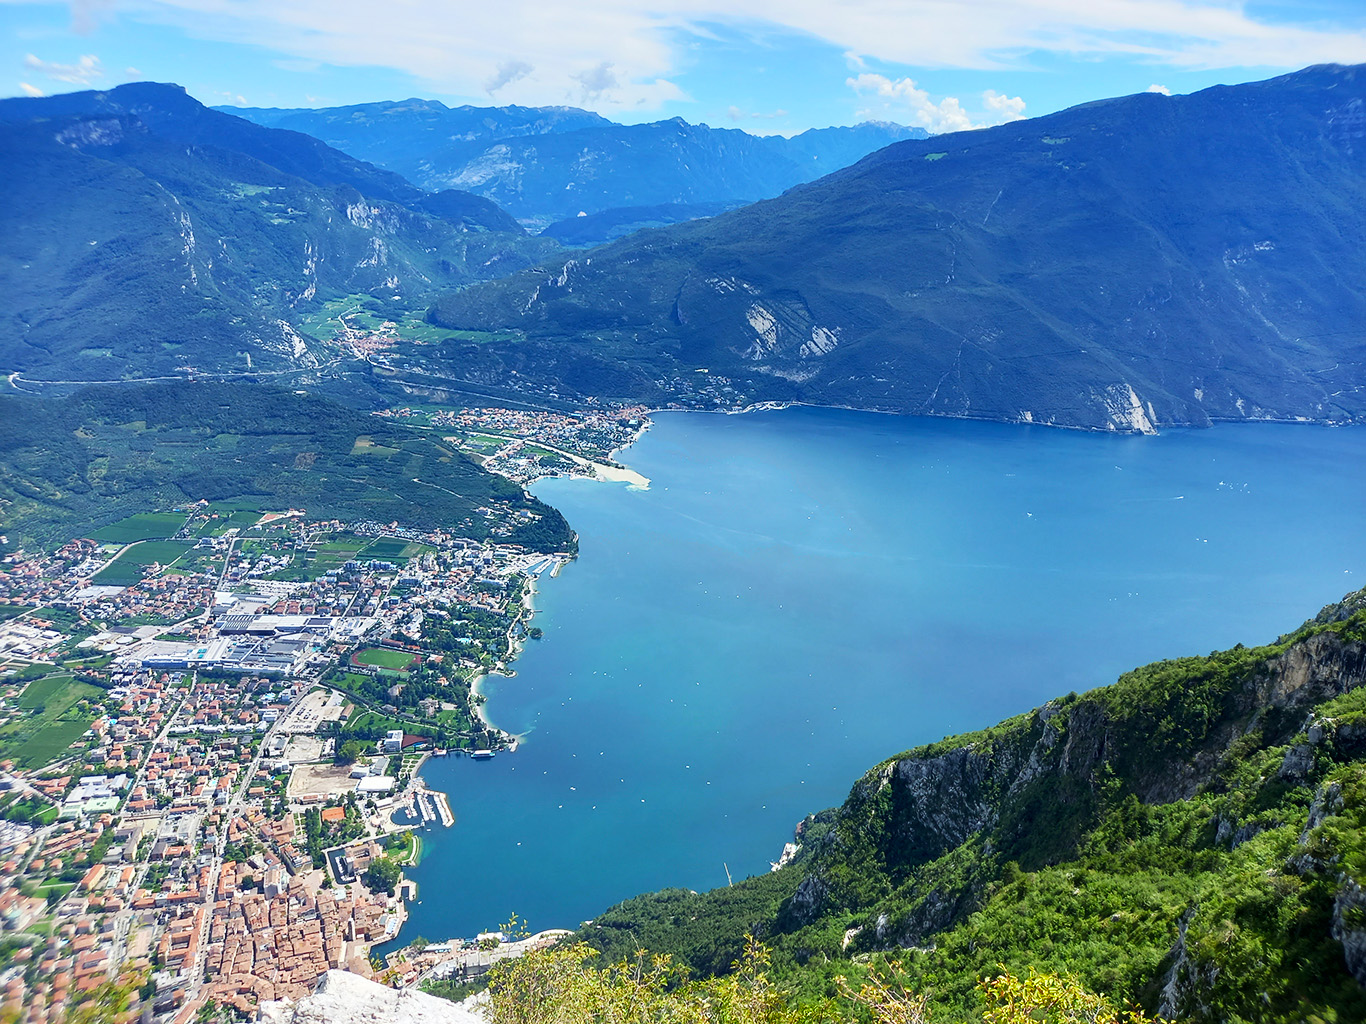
{"x":1190,"y":838}
{"x":596,"y":228}
{"x":1124,"y":264}
{"x":168,"y":112}
{"x":144,"y":232}
{"x":546,"y":164}
{"x":74,"y":464}
{"x":401,"y":134}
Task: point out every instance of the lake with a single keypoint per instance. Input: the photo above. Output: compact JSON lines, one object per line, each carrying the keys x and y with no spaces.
{"x":803,"y":593}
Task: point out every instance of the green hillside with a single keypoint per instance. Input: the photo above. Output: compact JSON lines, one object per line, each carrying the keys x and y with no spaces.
{"x":147,"y":234}
{"x":85,"y":462}
{"x":1190,"y":838}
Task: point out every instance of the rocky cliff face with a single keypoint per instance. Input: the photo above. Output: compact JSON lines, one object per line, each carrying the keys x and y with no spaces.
{"x":1028,"y":790}
{"x":343,"y":998}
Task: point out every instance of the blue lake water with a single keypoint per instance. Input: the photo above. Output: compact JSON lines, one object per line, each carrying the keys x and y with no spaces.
{"x":801,"y":594}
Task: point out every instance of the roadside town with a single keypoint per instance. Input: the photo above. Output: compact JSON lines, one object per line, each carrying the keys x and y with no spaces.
{"x":212,"y":723}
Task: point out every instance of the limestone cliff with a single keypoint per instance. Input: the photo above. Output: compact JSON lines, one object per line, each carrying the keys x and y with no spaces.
{"x":344,"y":998}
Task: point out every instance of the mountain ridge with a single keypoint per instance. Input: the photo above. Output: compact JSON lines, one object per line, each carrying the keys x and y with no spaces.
{"x":547,"y":164}
{"x":1133,"y":262}
{"x":138,"y":241}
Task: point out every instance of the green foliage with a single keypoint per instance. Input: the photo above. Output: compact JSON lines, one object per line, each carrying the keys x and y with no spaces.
{"x":107,"y":451}
{"x":570,"y":983}
{"x":1183,"y":830}
{"x":382,"y":875}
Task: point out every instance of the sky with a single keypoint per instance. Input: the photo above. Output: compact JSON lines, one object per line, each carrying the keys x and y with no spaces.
{"x":762,"y":65}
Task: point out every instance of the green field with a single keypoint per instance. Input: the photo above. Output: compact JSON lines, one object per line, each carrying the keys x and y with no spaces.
{"x":39,"y":692}
{"x":370,"y":719}
{"x":142,"y":526}
{"x":230,"y":514}
{"x":128,"y":568}
{"x":54,"y":725}
{"x":394,"y":549}
{"x":382,"y":657}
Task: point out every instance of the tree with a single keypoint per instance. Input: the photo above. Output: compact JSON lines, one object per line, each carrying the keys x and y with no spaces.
{"x":350,"y":751}
{"x":382,"y":875}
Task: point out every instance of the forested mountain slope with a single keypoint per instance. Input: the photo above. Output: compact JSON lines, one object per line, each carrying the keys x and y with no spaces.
{"x":1192,"y":838}
{"x":144,"y":232}
{"x":77,"y":463}
{"x":1124,"y":264}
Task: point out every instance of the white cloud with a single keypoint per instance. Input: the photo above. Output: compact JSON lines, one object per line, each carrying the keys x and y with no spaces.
{"x":1159,"y":88}
{"x":131,"y":73}
{"x":736,"y":114}
{"x":902,"y":100}
{"x":596,"y":81}
{"x":1003,"y":108}
{"x":83,"y":72}
{"x":458,"y":49}
{"x":86,"y":15}
{"x":508,"y":72}
{"x":31,"y":90}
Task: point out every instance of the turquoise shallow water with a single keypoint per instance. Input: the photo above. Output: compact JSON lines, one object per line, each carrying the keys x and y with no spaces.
{"x":802,"y":593}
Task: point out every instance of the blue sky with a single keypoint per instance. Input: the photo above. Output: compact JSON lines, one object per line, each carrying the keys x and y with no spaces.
{"x":763,"y":65}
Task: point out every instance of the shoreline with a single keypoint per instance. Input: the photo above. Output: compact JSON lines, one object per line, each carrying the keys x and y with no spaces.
{"x":601,"y":473}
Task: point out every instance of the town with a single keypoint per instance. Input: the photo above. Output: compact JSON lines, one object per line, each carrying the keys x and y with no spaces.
{"x":212,"y":725}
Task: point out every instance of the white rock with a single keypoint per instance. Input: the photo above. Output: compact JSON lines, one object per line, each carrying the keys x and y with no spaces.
{"x":345,"y":998}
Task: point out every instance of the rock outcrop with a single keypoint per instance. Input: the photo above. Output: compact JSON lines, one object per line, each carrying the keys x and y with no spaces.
{"x":345,"y":998}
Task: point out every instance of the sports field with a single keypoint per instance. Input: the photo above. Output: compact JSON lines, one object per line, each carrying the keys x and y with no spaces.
{"x":382,"y":657}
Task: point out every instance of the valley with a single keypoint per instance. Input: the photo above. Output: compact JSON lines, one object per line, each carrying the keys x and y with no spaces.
{"x":382,"y":598}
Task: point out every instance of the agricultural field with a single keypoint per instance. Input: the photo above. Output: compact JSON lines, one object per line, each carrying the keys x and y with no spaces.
{"x":370,"y":315}
{"x":128,"y":568}
{"x":54,"y":720}
{"x":365,"y":445}
{"x":141,"y":526}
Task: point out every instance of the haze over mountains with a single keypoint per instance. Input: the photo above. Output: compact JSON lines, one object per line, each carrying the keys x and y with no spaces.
{"x":1126,"y":263}
{"x":546,"y":164}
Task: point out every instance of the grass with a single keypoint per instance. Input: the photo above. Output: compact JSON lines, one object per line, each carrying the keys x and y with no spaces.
{"x":365,"y":445}
{"x":52,"y":726}
{"x":382,"y":657}
{"x":371,"y":719}
{"x":141,"y":526}
{"x":392,"y":548}
{"x":49,"y":743}
{"x":39,"y":692}
{"x":127,"y":569}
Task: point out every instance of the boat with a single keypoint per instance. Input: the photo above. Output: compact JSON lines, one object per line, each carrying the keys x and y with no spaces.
{"x":482,"y":755}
